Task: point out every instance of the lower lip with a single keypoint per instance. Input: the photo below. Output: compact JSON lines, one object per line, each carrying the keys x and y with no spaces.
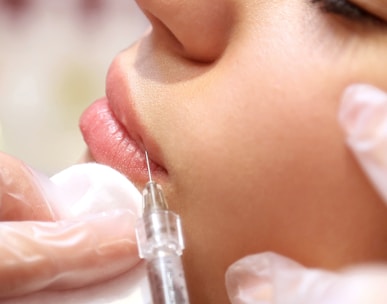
{"x":109,"y":143}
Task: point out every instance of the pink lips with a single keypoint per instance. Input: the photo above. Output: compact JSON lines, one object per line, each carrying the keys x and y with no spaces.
{"x":109,"y":143}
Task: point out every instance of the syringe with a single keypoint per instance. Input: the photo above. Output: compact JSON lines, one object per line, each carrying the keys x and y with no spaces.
{"x":160,"y":243}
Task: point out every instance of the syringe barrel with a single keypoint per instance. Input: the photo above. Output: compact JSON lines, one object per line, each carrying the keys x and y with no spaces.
{"x":160,"y":243}
{"x":166,"y":280}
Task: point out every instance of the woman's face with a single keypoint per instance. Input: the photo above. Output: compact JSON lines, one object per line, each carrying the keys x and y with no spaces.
{"x":236,"y":102}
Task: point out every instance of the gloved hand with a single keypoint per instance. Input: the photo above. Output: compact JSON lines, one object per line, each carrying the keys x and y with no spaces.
{"x":271,"y":278}
{"x":67,"y":232}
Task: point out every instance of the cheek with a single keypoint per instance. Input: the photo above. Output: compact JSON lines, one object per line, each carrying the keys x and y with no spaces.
{"x":256,"y":117}
{"x":261,"y":157}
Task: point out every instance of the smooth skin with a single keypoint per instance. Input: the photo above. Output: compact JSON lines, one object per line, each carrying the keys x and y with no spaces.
{"x":271,"y":278}
{"x":241,"y":98}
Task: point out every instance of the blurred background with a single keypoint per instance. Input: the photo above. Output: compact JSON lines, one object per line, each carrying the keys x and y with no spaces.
{"x":54,"y":55}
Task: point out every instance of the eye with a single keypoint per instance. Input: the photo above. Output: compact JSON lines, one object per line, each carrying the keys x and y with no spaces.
{"x":349,"y":10}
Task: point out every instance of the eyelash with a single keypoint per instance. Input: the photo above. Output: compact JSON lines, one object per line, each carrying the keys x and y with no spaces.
{"x":349,"y":10}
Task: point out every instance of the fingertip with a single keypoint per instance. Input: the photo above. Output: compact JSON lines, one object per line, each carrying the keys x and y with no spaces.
{"x":252,"y":278}
{"x":22,"y":197}
{"x":363,"y":116}
{"x":362,"y":111}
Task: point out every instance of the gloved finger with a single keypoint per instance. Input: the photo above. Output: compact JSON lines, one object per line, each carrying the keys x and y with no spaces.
{"x":269,"y":278}
{"x":94,"y":240}
{"x":21,"y":197}
{"x":363,"y":116}
{"x":65,"y":254}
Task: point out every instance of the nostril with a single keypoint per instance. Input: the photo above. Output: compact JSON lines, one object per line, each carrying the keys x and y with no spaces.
{"x":163,"y":32}
{"x":186,"y":46}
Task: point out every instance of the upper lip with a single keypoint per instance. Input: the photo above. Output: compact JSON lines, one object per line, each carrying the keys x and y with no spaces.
{"x":119,"y":95}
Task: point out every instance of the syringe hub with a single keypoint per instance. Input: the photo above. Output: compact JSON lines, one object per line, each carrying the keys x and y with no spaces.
{"x":153,"y":198}
{"x":159,"y":231}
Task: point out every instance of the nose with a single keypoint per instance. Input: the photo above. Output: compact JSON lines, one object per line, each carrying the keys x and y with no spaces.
{"x":196,"y":29}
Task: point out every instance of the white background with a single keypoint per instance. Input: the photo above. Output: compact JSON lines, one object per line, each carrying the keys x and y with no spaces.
{"x":54,"y":56}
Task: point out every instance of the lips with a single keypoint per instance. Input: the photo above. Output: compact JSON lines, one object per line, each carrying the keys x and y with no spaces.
{"x":110,"y":143}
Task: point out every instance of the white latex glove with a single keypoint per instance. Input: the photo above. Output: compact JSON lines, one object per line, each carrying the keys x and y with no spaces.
{"x":363,"y":116}
{"x":270,"y":278}
{"x":73,"y":230}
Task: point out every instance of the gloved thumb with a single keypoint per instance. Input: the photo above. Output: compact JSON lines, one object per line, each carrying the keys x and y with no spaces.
{"x":269,"y":278}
